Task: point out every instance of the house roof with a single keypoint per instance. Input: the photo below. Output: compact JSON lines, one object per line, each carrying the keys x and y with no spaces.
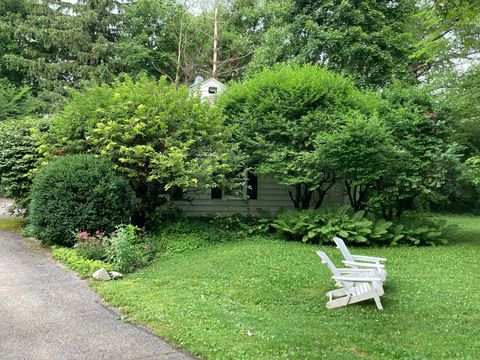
{"x":217,"y":82}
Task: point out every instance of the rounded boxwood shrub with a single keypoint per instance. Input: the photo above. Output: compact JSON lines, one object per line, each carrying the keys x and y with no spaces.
{"x":78,"y":193}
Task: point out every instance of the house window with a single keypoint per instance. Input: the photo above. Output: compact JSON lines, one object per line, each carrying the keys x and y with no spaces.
{"x":216,"y":193}
{"x":212,"y":89}
{"x":249,"y":190}
{"x":177,"y":193}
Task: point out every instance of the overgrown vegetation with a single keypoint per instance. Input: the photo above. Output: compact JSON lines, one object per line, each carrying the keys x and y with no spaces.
{"x":125,"y":250}
{"x":359,"y":228}
{"x":19,"y":157}
{"x":159,"y":137}
{"x":258,"y":297}
{"x":77,"y":193}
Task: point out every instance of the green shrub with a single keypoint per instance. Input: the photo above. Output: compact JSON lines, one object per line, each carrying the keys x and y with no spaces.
{"x":128,"y":250}
{"x":84,"y":267}
{"x":421,"y":230}
{"x":78,"y":193}
{"x":157,"y":135}
{"x":15,"y":102}
{"x":313,"y":226}
{"x":18,"y":157}
{"x":91,"y":246}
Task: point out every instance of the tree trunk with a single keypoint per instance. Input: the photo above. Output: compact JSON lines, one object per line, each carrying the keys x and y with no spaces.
{"x":179,"y":55}
{"x":215,"y":38}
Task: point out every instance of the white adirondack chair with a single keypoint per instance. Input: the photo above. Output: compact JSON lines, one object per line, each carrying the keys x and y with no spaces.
{"x":356,"y":285}
{"x":360,"y":261}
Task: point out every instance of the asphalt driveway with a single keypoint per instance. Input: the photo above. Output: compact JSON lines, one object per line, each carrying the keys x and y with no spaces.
{"x":47,"y":312}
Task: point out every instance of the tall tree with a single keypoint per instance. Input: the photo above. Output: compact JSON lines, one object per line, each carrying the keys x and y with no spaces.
{"x":63,"y":43}
{"x":448,"y":34}
{"x":369,"y":39}
{"x":148,"y":37}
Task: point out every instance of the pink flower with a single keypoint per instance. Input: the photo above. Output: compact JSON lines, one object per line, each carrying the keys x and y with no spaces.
{"x":98,"y":232}
{"x":83,"y":235}
{"x":146,"y":247}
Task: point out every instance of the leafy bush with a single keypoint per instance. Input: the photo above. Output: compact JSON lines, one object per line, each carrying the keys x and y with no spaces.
{"x":128,"y":251}
{"x":84,"y":267}
{"x":15,"y":102}
{"x":18,"y":157}
{"x":78,"y":193}
{"x":422,"y":230}
{"x":91,"y":246}
{"x":158,"y":136}
{"x":357,"y":228}
{"x":280,"y":115}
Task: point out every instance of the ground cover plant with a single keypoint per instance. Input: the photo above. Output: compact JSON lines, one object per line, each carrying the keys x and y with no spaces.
{"x":83,"y":266}
{"x":359,"y":228}
{"x":264,"y":298}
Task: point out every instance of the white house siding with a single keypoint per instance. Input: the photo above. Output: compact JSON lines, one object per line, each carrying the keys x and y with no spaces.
{"x":202,"y":89}
{"x":271,"y":197}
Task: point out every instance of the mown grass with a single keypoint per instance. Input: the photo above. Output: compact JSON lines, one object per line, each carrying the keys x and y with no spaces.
{"x":12,"y":224}
{"x":265,"y":299}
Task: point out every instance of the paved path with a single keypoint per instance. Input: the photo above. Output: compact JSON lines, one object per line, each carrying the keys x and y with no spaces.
{"x":4,"y":205}
{"x":49,"y":313}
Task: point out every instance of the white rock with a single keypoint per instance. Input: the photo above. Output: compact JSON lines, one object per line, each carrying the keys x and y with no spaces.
{"x":116,"y":275}
{"x":101,"y":274}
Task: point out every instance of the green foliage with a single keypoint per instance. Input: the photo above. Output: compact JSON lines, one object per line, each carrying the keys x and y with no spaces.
{"x":361,"y":151}
{"x":75,"y":261}
{"x":18,"y":157}
{"x":55,"y":44}
{"x":12,"y":224}
{"x":159,"y":137}
{"x":462,"y":99}
{"x":147,"y":41}
{"x":278,"y":116}
{"x":77,"y":193}
{"x":368,"y":39}
{"x":357,"y":228}
{"x":472,"y":173}
{"x":14,"y":102}
{"x":127,"y":250}
{"x":91,"y":246}
{"x":447,"y":35}
{"x":424,"y":153}
{"x":190,"y":234}
{"x":265,"y":299}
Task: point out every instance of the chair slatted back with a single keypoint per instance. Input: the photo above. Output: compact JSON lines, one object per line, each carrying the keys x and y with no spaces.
{"x":326,"y":260}
{"x":343,"y":248}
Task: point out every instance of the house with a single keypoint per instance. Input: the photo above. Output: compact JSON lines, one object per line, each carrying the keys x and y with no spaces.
{"x":207,"y":89}
{"x":257,"y":195}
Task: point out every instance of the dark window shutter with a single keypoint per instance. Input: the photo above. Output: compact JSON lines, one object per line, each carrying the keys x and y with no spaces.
{"x":216,"y":193}
{"x":252,"y":191}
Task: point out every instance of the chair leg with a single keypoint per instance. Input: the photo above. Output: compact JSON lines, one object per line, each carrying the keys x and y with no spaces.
{"x":377,"y":301}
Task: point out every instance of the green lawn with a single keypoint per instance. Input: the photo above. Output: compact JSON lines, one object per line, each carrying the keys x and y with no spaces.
{"x":12,"y":224}
{"x":265,"y":299}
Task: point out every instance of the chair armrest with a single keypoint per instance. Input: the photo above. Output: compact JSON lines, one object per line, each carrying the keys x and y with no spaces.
{"x":365,"y":265}
{"x":357,"y":279}
{"x":353,"y":270}
{"x":368,"y":258}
